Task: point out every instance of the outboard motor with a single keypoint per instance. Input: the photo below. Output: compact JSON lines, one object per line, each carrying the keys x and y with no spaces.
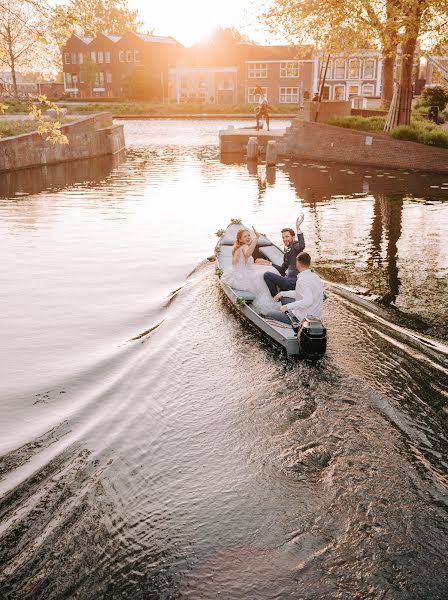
{"x":311,"y":335}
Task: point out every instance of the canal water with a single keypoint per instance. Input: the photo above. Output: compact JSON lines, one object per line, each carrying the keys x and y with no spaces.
{"x":155,"y":447}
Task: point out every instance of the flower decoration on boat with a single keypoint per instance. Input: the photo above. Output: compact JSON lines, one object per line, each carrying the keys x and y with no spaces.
{"x":217,"y":249}
{"x":235,"y":221}
{"x":220,"y":232}
{"x":218,"y":271}
{"x":240,"y":302}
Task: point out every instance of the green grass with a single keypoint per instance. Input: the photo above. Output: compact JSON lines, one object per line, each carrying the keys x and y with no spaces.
{"x":148,"y":108}
{"x":14,"y":106}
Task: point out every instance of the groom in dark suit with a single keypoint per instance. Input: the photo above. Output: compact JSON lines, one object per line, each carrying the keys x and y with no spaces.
{"x":287,"y":278}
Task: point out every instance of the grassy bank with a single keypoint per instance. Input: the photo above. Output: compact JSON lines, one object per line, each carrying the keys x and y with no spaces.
{"x":147,"y":108}
{"x":10,"y":127}
{"x":420,"y":131}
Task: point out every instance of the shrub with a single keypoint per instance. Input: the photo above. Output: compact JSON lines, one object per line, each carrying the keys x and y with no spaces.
{"x":405,"y":132}
{"x":359,"y":123}
{"x":427,"y":133}
{"x":435,"y":96}
{"x":437,"y":138}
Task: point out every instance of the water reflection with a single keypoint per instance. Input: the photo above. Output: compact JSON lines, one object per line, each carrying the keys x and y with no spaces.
{"x":367,"y":227}
{"x":55,"y":177}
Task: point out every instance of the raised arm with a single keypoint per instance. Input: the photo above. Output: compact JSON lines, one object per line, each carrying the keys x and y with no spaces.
{"x":299,"y":222}
{"x":249,"y":250}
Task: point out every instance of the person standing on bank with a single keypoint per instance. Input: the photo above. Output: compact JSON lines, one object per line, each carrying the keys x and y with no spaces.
{"x":287,"y":272}
{"x":306,"y":300}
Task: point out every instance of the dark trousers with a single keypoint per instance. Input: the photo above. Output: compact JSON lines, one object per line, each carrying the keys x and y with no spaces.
{"x":277,"y":315}
{"x":276,"y":282}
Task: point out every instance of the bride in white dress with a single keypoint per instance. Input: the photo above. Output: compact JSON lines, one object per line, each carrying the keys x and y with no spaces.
{"x":246,"y":275}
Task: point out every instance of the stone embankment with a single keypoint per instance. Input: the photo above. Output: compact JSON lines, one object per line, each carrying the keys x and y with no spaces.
{"x":319,"y":141}
{"x":88,"y":137}
{"x":329,"y":143}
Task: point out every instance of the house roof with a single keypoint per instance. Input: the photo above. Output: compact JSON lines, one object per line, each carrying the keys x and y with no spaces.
{"x":155,"y":39}
{"x":158,"y":39}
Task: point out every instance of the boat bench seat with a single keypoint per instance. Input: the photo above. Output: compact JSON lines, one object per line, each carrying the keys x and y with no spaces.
{"x":273,"y":254}
{"x":249,"y":297}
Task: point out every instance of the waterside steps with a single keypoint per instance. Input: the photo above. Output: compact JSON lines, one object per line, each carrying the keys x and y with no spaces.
{"x":235,"y":141}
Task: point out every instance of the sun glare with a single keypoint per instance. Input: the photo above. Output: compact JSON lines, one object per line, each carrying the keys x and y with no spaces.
{"x":191,"y":22}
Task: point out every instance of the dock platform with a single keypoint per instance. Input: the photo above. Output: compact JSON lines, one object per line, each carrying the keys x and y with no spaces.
{"x":233,"y":140}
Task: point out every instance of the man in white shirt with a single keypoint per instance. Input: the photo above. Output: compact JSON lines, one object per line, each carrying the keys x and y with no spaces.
{"x":308,"y":297}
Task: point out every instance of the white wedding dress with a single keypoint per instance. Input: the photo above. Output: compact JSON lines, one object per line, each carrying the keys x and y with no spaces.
{"x":246,"y":275}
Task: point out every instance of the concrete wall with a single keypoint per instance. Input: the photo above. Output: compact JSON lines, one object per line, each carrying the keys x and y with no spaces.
{"x":328,"y":109}
{"x":89,"y":136}
{"x":335,"y":144}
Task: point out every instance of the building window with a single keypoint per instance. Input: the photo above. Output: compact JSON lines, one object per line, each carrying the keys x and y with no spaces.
{"x":66,"y":58}
{"x":367,"y":89}
{"x":253,"y":98}
{"x":339,"y":68}
{"x":100,"y":57}
{"x":107,"y":55}
{"x":257,"y":70}
{"x":326,"y":92}
{"x":354,"y":69}
{"x":136,"y":55}
{"x":202,"y":84}
{"x":184,"y":81}
{"x":353,"y":90}
{"x":108,"y":77}
{"x":289,"y":69}
{"x":93,"y":56}
{"x":129,"y":56}
{"x":74,"y":57}
{"x":289,"y":95}
{"x":339,"y":92}
{"x":369,"y":69}
{"x":323,"y":64}
{"x":71,"y":80}
{"x":121,"y":55}
{"x":81,"y":58}
{"x":99,"y":79}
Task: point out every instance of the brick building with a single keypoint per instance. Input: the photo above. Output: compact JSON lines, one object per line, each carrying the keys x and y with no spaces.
{"x":225,"y":75}
{"x":115,"y":58}
{"x":284,"y":73}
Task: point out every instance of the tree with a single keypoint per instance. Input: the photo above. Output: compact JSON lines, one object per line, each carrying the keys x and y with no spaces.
{"x":90,"y":17}
{"x":88,"y":71}
{"x":436,"y":96}
{"x":347,"y":25}
{"x":141,"y":85}
{"x":21,"y":29}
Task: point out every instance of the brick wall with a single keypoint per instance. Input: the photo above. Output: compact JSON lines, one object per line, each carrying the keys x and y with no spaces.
{"x":334,"y":144}
{"x":88,"y":137}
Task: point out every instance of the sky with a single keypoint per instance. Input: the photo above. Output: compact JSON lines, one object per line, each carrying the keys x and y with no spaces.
{"x":189,"y":21}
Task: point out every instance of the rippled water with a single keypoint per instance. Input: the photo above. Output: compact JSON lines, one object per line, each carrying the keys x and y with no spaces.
{"x":155,"y":447}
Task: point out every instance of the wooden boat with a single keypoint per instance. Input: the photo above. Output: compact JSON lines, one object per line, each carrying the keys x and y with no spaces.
{"x":291,"y":337}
